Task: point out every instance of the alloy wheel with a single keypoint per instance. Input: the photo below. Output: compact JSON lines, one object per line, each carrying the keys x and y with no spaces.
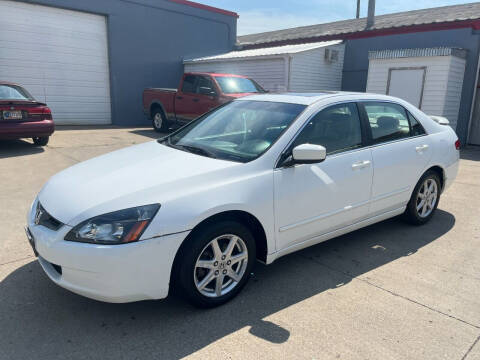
{"x":426,"y":198}
{"x":221,"y":265}
{"x":157,"y":119}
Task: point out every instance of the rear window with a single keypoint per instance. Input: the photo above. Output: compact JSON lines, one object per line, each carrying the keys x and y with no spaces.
{"x":13,"y":92}
{"x":234,"y":85}
{"x":189,"y":84}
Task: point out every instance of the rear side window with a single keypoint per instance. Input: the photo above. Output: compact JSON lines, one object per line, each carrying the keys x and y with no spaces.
{"x":189,"y":84}
{"x":415,"y":127}
{"x":13,"y":92}
{"x":337,"y":128}
{"x":388,"y":121}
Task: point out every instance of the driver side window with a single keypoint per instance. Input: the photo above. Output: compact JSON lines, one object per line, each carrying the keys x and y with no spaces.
{"x":204,"y":83}
{"x":337,"y":128}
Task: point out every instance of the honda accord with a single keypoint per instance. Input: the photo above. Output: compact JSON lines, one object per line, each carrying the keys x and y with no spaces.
{"x":254,"y":179}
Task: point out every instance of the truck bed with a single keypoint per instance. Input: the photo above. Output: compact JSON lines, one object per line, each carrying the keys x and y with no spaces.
{"x":162,"y":89}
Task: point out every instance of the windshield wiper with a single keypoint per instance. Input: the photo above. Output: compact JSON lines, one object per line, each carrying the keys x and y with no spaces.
{"x":195,"y":150}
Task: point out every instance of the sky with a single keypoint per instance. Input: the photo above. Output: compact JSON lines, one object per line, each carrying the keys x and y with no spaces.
{"x":266,"y":15}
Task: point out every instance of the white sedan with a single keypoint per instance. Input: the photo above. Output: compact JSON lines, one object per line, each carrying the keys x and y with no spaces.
{"x":255,"y":179}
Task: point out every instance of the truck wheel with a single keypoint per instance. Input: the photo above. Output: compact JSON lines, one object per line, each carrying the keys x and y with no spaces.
{"x":159,"y":121}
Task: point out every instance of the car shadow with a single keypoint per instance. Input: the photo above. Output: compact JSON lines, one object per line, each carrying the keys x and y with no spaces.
{"x":14,"y":148}
{"x":41,"y":320}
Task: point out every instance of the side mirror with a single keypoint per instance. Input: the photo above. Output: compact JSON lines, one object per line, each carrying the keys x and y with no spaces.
{"x":204,"y":90}
{"x":308,"y":154}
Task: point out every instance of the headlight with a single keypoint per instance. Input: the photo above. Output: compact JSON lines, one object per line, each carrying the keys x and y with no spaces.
{"x":117,"y":227}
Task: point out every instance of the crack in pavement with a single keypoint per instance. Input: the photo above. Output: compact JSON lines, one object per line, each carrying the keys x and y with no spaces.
{"x":390,"y":292}
{"x":470,"y":348}
{"x":16,"y":260}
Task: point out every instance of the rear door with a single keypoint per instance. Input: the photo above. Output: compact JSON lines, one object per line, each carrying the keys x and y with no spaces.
{"x":400,"y":152}
{"x":185,"y":105}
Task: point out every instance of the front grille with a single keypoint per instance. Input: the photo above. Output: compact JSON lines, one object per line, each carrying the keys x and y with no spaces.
{"x":42,"y":217}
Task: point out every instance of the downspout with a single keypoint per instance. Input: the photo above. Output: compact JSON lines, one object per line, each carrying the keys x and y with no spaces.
{"x":288,"y":61}
{"x":472,"y":107}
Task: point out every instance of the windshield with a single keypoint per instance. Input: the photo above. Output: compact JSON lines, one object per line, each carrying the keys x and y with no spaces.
{"x":239,"y":131}
{"x":13,"y":92}
{"x":234,"y":85}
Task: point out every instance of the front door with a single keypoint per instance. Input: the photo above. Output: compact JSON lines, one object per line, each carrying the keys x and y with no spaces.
{"x":207,"y":96}
{"x":315,"y":199}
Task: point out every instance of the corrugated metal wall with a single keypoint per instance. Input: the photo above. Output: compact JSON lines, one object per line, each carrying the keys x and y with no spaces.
{"x":310,"y":72}
{"x":269,"y":73}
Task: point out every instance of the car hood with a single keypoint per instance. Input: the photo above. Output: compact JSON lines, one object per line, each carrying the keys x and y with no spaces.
{"x":138,"y":175}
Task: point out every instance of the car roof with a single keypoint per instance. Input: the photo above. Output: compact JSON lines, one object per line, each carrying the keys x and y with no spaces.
{"x":8,"y":83}
{"x":311,"y":98}
{"x":215,"y":74}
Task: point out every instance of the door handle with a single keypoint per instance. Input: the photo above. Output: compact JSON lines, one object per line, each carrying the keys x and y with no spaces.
{"x":179,"y":97}
{"x":360,"y":164}
{"x":421,"y":148}
{"x":195,"y":100}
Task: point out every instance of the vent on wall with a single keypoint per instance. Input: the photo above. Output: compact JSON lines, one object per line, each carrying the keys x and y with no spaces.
{"x":331,"y":55}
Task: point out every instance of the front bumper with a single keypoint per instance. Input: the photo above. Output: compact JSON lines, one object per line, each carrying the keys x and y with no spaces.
{"x":114,"y":273}
{"x":26,"y":129}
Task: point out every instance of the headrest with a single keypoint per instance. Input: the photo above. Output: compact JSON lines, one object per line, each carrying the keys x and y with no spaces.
{"x":338,"y":117}
{"x":387,"y":122}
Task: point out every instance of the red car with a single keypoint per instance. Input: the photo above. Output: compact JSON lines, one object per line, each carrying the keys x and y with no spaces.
{"x":197,"y":94}
{"x":21,"y":116}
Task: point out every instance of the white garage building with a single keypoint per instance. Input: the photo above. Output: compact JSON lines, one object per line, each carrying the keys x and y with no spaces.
{"x":298,"y":68}
{"x":429,"y":78}
{"x":64,"y":64}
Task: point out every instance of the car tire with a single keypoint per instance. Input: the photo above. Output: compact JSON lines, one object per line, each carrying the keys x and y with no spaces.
{"x":41,"y":141}
{"x":424,"y":200}
{"x":192,"y":277}
{"x":159,"y":120}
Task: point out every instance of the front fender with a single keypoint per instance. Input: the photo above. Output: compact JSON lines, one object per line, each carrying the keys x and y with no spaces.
{"x":252,"y":194}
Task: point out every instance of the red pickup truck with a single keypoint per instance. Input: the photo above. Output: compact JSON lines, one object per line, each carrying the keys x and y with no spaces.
{"x":197,"y":94}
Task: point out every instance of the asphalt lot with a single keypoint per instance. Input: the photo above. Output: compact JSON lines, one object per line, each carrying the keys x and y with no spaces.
{"x":389,"y":291}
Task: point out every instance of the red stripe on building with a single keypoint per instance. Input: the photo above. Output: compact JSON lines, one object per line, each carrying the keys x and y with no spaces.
{"x":474,"y":24}
{"x":205,"y":7}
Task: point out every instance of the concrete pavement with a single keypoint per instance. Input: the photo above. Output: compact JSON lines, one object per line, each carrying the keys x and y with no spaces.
{"x":389,"y":291}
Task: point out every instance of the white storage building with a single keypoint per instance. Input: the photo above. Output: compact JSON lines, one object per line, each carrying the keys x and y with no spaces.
{"x":297,"y":68}
{"x":429,"y":78}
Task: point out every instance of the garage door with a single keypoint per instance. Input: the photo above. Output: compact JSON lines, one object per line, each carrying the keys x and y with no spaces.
{"x":407,"y":84}
{"x":60,"y":56}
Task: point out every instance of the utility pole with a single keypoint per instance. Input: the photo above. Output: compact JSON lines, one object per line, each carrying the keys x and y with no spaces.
{"x":358,"y":9}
